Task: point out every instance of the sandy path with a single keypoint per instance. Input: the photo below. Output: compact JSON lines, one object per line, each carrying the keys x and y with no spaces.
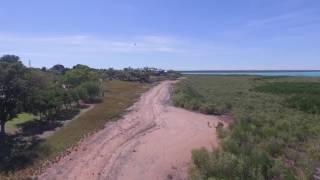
{"x":153,"y":141}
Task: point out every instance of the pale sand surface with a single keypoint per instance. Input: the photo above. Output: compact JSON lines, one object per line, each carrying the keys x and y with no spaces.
{"x":153,"y":141}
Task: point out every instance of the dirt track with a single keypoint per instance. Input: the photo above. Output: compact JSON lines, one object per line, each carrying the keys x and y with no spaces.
{"x":153,"y":141}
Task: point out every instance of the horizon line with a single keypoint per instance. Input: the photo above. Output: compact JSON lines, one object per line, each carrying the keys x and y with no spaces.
{"x":253,"y":70}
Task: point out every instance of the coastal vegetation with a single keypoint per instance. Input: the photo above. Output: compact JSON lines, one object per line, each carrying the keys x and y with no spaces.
{"x":34,"y":101}
{"x":43,"y":93}
{"x":275,"y":126}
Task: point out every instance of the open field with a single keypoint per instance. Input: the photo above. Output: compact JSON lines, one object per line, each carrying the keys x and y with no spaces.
{"x":276,"y":128}
{"x":22,"y":154}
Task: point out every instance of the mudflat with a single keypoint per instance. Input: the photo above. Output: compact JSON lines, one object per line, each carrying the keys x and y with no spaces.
{"x":153,"y":141}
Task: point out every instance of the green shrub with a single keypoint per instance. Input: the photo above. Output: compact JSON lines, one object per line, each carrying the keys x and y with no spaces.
{"x":290,"y":88}
{"x":187,"y":97}
{"x":274,"y":146}
{"x":306,"y":103}
{"x":207,"y":108}
{"x":304,"y":96}
{"x":222,"y":132}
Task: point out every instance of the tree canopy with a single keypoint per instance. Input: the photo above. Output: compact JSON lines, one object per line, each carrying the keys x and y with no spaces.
{"x":47,"y":92}
{"x":12,"y":88}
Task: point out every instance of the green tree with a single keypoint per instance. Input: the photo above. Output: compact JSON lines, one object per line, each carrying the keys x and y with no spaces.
{"x":92,"y":88}
{"x":80,"y":66}
{"x":37,"y":83}
{"x":54,"y":100}
{"x":82,"y":93}
{"x":58,"y":69}
{"x":77,"y":76}
{"x":11,"y":88}
{"x":67,"y":99}
{"x":47,"y":101}
{"x":75,"y":95}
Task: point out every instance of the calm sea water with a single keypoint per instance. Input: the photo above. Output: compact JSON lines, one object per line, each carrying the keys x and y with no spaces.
{"x":257,"y":73}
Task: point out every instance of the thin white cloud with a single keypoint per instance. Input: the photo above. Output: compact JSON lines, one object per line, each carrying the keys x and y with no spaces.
{"x":294,"y":24}
{"x":88,"y":44}
{"x":271,"y":20}
{"x":158,"y":39}
{"x":289,"y":19}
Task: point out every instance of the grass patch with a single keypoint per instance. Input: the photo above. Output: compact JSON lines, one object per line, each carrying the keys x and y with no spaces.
{"x":119,"y":96}
{"x":20,"y":119}
{"x":270,"y":138}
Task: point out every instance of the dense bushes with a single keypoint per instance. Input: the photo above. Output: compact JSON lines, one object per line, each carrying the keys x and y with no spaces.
{"x":290,"y":88}
{"x":186,"y":96}
{"x":48,"y":98}
{"x":216,"y":165}
{"x":225,"y":165}
{"x":269,"y":138}
{"x":145,"y":75}
{"x":79,"y":75}
{"x":304,"y":96}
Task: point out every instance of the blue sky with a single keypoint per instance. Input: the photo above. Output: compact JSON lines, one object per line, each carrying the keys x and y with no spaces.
{"x":169,"y":34}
